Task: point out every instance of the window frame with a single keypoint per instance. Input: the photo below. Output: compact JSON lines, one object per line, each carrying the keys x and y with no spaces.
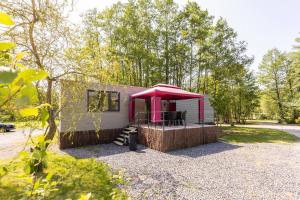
{"x":108,"y":93}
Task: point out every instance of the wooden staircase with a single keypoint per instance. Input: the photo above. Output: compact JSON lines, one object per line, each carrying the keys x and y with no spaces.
{"x":123,"y":138}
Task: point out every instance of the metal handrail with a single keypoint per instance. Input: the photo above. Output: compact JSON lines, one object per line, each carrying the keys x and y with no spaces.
{"x":147,"y":119}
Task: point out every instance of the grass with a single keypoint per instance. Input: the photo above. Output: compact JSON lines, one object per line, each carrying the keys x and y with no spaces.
{"x":27,"y":124}
{"x":75,"y":176}
{"x":255,"y":121}
{"x":256,"y":135}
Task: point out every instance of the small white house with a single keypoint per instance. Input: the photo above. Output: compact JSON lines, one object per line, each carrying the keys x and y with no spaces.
{"x":93,"y":108}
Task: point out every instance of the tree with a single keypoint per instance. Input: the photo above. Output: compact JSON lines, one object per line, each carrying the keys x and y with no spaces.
{"x":272,"y":76}
{"x":42,"y":31}
{"x":196,"y":28}
{"x":147,"y":42}
{"x":294,"y":79}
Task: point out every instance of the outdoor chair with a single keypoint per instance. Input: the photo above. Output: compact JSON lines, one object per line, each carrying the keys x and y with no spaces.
{"x":172,"y":118}
{"x":165,"y":118}
{"x":178,"y":117}
{"x":183,"y":118}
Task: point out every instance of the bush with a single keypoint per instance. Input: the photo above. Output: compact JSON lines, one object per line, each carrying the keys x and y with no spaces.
{"x":297,"y":120}
{"x":263,"y":116}
{"x":6,"y":118}
{"x":36,"y":159}
{"x":72,"y":177}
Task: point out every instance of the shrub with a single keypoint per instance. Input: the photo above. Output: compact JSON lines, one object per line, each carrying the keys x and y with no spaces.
{"x":297,"y":120}
{"x":35,"y":161}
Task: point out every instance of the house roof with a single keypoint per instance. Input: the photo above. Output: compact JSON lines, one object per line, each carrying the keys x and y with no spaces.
{"x":166,"y":92}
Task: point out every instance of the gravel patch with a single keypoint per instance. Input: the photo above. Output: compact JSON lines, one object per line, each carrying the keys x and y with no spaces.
{"x":11,"y":143}
{"x":213,"y":171}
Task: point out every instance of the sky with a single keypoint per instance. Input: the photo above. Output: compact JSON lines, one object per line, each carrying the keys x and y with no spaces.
{"x":263,"y":24}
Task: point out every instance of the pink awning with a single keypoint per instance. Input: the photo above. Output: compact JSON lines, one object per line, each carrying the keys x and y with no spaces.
{"x":166,"y":92}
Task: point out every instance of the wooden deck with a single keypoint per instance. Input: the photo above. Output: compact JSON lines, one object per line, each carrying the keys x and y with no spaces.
{"x":177,"y":137}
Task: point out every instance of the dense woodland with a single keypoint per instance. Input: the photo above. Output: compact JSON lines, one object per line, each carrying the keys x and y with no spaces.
{"x":145,"y":42}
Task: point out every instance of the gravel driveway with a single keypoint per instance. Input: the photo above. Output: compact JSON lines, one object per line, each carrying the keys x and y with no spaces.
{"x":213,"y":171}
{"x":13,"y":142}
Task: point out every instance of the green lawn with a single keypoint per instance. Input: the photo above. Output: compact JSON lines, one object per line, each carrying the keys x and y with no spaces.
{"x":255,"y":121}
{"x":27,"y":124}
{"x":75,"y":177}
{"x":256,"y":135}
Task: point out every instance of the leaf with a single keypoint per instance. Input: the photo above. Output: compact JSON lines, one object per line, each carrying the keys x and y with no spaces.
{"x":44,"y":116}
{"x":5,"y":19}
{"x":7,"y":75}
{"x":21,"y":55}
{"x":27,"y":169}
{"x":30,"y":75}
{"x":26,"y":112}
{"x":20,"y":66}
{"x":6,"y":45}
{"x":85,"y":197}
{"x":27,"y":95}
{"x":3,"y":171}
{"x":37,"y":184}
{"x":24,"y":154}
{"x":48,"y":177}
{"x":4,"y":92}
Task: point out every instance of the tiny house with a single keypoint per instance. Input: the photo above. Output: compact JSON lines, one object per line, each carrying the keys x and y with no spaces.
{"x":94,"y":113}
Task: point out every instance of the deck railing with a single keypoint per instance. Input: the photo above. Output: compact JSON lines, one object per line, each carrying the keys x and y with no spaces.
{"x":166,"y":118}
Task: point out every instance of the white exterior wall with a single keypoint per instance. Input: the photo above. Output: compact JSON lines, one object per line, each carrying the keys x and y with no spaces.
{"x":192,"y":108}
{"x":208,"y":110}
{"x":74,"y":115}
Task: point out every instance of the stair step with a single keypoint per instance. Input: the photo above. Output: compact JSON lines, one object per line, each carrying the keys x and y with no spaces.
{"x":119,"y":143}
{"x":124,"y":135}
{"x":126,"y":132}
{"x":121,"y":139}
{"x":130,"y":129}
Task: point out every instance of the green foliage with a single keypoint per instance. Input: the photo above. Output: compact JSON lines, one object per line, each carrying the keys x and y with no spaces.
{"x":40,"y":187}
{"x":72,"y":177}
{"x":34,"y":124}
{"x":5,"y":19}
{"x":148,"y":42}
{"x":35,"y":161}
{"x":85,"y":196}
{"x":16,"y":83}
{"x":256,"y":135}
{"x":25,"y":112}
{"x":4,"y":46}
{"x":278,"y":75}
{"x":297,"y":120}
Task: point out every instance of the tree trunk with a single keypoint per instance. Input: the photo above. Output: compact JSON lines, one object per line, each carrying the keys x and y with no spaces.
{"x":280,"y":106}
{"x":51,"y":120}
{"x":199,"y":75}
{"x":167,"y":59}
{"x":191,"y":67}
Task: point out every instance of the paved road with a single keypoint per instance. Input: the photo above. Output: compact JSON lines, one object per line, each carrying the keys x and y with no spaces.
{"x":13,"y":142}
{"x":292,"y":129}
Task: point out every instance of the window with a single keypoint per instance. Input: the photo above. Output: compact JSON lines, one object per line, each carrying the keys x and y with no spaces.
{"x":102,"y":101}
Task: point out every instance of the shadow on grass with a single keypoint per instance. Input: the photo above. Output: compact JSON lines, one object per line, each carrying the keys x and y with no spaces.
{"x":256,"y":135}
